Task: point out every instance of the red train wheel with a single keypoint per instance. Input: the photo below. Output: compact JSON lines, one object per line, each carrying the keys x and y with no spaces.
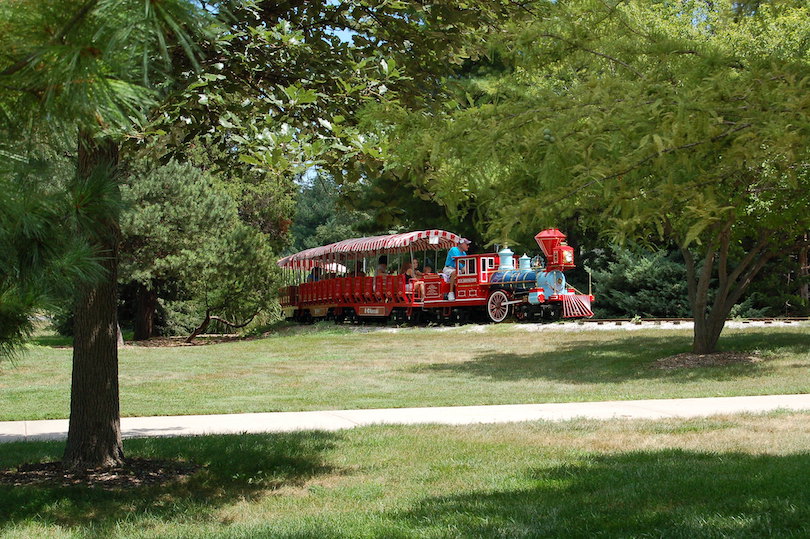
{"x":497,"y":306}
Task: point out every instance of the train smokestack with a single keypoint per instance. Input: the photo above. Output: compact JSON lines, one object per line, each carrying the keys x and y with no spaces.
{"x":548,"y":240}
{"x":559,"y":255}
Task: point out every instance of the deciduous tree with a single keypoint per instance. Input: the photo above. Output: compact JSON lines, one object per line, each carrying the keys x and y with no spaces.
{"x":680,"y":122}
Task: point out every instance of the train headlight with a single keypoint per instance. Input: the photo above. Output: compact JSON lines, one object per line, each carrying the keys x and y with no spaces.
{"x":568,"y":257}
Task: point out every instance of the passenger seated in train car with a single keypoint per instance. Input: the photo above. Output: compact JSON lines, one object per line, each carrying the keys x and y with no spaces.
{"x":449,"y":270}
{"x":415,"y":267}
{"x":427,"y":268}
{"x":412,"y":283}
{"x":314,"y":275}
{"x":382,"y":265}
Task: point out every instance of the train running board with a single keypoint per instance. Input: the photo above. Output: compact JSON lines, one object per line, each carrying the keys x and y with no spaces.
{"x":576,"y":306}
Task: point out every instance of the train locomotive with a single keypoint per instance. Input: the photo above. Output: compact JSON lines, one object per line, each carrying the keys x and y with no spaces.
{"x":492,"y":286}
{"x":539,"y":289}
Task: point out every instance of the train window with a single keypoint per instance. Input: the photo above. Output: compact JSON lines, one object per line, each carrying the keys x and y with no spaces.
{"x":467,"y":266}
{"x":487,"y":264}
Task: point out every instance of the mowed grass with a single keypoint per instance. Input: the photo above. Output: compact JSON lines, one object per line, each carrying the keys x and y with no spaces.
{"x":735,"y":476}
{"x":329,"y":367}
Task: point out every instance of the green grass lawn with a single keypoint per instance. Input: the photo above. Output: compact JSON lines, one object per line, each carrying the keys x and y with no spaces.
{"x":737,"y":476}
{"x":329,"y":367}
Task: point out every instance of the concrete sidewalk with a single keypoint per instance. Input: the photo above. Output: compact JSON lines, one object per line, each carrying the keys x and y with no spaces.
{"x":133,"y":427}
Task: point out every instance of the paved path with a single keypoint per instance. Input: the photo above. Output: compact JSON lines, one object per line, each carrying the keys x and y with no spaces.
{"x":134,"y":427}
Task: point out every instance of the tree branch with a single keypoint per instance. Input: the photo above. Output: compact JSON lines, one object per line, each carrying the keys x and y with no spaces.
{"x":691,"y":286}
{"x":702,"y":290}
{"x":747,"y":279}
{"x":202,"y":327}
{"x":722,"y":265}
{"x":233,"y":325}
{"x":58,"y":38}
{"x":758,"y":247}
{"x":597,"y":53}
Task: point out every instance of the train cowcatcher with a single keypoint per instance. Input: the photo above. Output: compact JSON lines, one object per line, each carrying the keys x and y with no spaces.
{"x":329,"y":282}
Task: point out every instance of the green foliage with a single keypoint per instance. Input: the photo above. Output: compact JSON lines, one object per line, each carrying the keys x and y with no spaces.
{"x":71,"y":68}
{"x":236,"y":276}
{"x":265,"y":200}
{"x":41,"y":258}
{"x":284,"y":87}
{"x":91,"y":63}
{"x":182,"y":238}
{"x":678,"y":123}
{"x":628,"y":110}
{"x":321,"y":215}
{"x":180,"y":316}
{"x":775,"y":292}
{"x":752,"y":307}
{"x":394,"y":204}
{"x":272,"y":87}
{"x":173,"y":212}
{"x":62,"y":320}
{"x":649,"y":284}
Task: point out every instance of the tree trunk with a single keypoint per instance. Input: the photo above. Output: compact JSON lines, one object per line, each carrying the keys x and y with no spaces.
{"x":804,"y":271}
{"x":208,"y":319}
{"x":731,"y":283}
{"x":707,"y":332}
{"x":146,"y":302}
{"x":202,"y":327}
{"x":94,"y":432}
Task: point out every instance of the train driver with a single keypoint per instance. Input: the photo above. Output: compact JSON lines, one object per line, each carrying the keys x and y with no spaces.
{"x":450,"y":264}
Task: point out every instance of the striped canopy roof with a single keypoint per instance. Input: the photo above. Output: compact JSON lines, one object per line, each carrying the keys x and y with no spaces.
{"x":419,"y":240}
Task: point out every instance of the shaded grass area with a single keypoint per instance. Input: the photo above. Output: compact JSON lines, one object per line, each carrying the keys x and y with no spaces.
{"x":234,"y":468}
{"x":329,"y":367}
{"x":739,"y":476}
{"x":654,"y":493}
{"x":585,"y":360}
{"x":52,"y":339}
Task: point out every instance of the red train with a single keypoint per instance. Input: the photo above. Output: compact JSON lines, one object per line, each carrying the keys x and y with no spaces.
{"x":491,"y":286}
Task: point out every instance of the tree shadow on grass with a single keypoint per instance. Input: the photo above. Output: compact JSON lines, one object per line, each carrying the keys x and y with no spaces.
{"x":52,"y":341}
{"x":631,"y":357}
{"x":670,"y":493}
{"x":232,"y":467}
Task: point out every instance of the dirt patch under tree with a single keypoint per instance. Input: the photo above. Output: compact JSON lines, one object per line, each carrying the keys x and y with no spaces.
{"x":132,"y":474}
{"x":689,"y":360}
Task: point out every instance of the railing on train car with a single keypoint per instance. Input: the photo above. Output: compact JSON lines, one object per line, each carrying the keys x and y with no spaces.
{"x":381,"y":288}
